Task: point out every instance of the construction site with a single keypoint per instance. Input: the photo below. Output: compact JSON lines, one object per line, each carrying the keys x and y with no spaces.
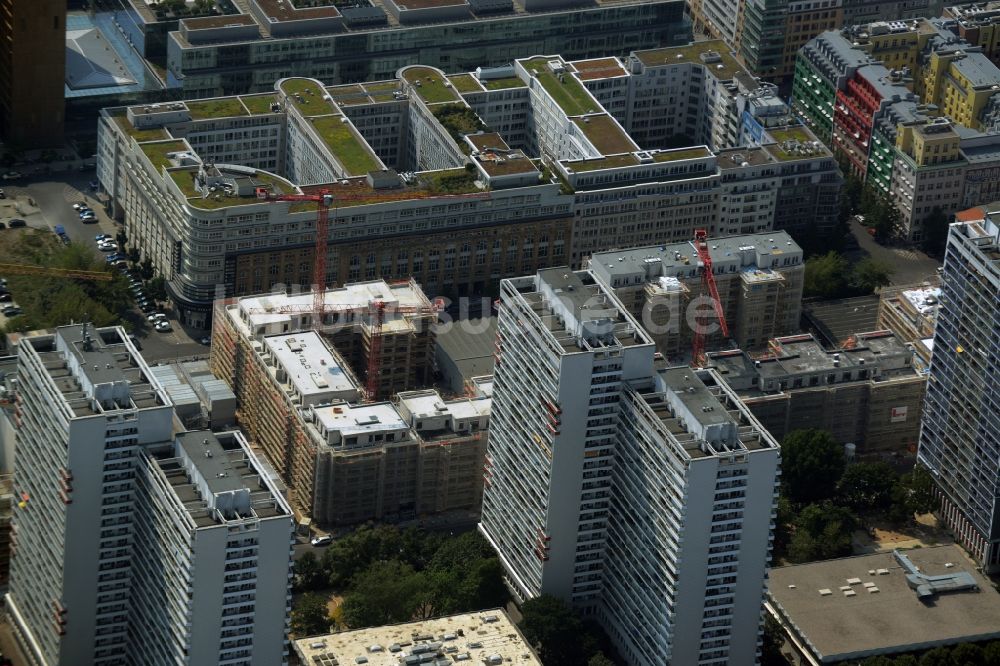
{"x":333,"y":388}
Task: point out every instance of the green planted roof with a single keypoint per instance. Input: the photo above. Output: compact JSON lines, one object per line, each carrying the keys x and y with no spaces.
{"x":157,"y":151}
{"x":430,"y":85}
{"x":567,"y":92}
{"x":221,"y":107}
{"x":352,"y":152}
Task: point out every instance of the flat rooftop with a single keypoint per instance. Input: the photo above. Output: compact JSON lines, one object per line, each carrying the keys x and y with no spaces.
{"x":837,"y":320}
{"x":598,"y":68}
{"x":565,"y":89}
{"x":892,"y":618}
{"x":469,"y":345}
{"x":357,"y":296}
{"x":357,"y":419}
{"x":485,"y":637}
{"x":313,"y":368}
{"x":714,"y":54}
{"x":680,"y":259}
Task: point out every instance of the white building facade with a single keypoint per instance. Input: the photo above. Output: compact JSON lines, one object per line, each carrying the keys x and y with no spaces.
{"x":641,"y":495}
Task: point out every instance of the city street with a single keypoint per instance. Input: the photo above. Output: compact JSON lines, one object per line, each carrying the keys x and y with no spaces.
{"x":911,"y":266}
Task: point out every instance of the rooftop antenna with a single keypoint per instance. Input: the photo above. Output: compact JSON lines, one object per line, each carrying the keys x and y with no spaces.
{"x":88,"y":344}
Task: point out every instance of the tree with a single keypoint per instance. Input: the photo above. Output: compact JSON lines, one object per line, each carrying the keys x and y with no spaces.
{"x":940,"y":656}
{"x":352,"y":554}
{"x":782,"y":527}
{"x":770,"y":651}
{"x":555,"y":631}
{"x":912,"y":494}
{"x":935,"y":232}
{"x":812,"y":464}
{"x":309,"y":615}
{"x":825,"y":276}
{"x":157,"y":288}
{"x":866,"y":488}
{"x":967,"y":654}
{"x":881,"y":214}
{"x":387,"y":592}
{"x":991,"y":654}
{"x":870,"y":274}
{"x":309,"y":574}
{"x":146,"y":269}
{"x":822,"y":532}
{"x":600,"y":660}
{"x":878,"y":661}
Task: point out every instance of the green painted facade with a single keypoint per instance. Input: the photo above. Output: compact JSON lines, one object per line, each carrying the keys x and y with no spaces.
{"x":881,"y":157}
{"x":813,"y":97}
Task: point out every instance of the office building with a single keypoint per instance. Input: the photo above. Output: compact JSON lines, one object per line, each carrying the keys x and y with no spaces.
{"x":423,"y":190}
{"x":32,"y":73}
{"x":759,"y":278}
{"x":271,"y":40}
{"x":890,"y":603}
{"x":867,"y":393}
{"x":911,"y":108}
{"x":346,"y":460}
{"x":772,"y":32}
{"x":960,"y":439}
{"x":134,"y":541}
{"x":487,"y":637}
{"x":587,"y":434}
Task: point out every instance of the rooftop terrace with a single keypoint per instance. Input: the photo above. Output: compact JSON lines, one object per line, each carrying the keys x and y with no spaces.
{"x":220,"y":107}
{"x":598,"y":68}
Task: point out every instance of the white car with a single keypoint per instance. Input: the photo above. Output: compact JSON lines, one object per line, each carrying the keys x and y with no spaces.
{"x":163,"y":326}
{"x":156,"y":317}
{"x":323,"y":540}
{"x":79,"y":205}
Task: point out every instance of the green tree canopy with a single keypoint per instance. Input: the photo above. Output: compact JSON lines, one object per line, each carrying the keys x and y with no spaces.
{"x":600,"y":660}
{"x":387,"y":592}
{"x":913,"y":493}
{"x":812,"y":463}
{"x":826,"y":276}
{"x":310,"y":616}
{"x":866,"y":488}
{"x":822,"y":531}
{"x":870,"y":274}
{"x":556,"y":632}
{"x":309,"y":573}
{"x":935,"y":232}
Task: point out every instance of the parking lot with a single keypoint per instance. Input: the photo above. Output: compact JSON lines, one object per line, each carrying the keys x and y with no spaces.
{"x":45,"y":202}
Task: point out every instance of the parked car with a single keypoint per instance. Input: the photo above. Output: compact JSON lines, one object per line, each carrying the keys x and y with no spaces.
{"x":7,"y":308}
{"x":206,"y":341}
{"x":6,"y":298}
{"x":88,"y":218}
{"x":94,"y":184}
{"x":156,"y":316}
{"x":59,"y":229}
{"x":322,"y":540}
{"x":163,"y":326}
{"x":100,"y":237}
{"x":12,"y":175}
{"x":13,"y":312}
{"x":17,"y":223}
{"x":2,"y":195}
{"x":80,"y":205}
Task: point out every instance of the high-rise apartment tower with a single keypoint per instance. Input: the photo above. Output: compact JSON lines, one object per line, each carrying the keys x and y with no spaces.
{"x":641,"y":494}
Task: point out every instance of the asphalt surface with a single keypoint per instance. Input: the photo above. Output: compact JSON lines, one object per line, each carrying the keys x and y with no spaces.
{"x":911,"y":265}
{"x":54,"y":196}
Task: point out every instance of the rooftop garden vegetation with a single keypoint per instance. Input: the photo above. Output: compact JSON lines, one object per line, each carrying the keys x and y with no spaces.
{"x":459,"y":120}
{"x":349,"y":150}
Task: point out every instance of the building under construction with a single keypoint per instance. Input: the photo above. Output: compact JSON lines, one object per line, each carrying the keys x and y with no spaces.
{"x":868,"y":393}
{"x":347,"y":454}
{"x":758,"y":276}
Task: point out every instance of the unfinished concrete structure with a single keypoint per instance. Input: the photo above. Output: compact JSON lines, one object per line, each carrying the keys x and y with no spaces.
{"x":759,"y":278}
{"x":868,"y":393}
{"x":346,"y":459}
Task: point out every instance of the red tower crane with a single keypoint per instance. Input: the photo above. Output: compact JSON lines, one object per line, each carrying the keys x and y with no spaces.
{"x":323,"y":201}
{"x":708,"y":278}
